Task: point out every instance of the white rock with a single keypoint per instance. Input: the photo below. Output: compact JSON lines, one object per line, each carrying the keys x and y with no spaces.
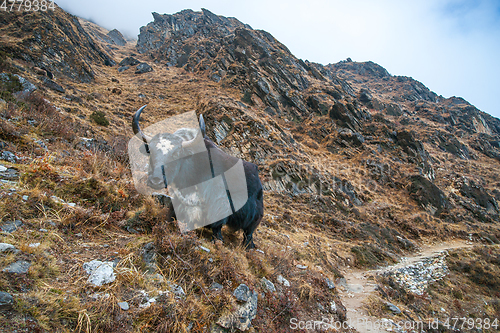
{"x":333,"y":306}
{"x":100,"y":272}
{"x":123,"y":305}
{"x":5,"y":247}
{"x":2,"y":168}
{"x":25,"y":197}
{"x":34,"y":245}
{"x":204,"y":249}
{"x":283,"y":281}
{"x":301,"y":266}
{"x":176,"y":289}
{"x":268,"y":285}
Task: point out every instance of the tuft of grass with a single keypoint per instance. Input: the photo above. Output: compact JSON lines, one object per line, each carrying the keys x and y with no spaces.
{"x":100,"y":118}
{"x":9,"y":86}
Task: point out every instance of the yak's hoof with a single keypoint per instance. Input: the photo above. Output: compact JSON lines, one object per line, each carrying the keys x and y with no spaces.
{"x":249,"y":246}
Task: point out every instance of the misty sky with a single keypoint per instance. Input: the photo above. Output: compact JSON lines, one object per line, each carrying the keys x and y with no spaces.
{"x":451,"y":46}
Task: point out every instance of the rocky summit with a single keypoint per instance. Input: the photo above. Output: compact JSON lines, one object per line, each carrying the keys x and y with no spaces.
{"x":360,"y":169}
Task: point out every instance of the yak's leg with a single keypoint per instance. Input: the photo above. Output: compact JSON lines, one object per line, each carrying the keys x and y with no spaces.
{"x":216,"y":229}
{"x":248,"y":233}
{"x":248,"y":236}
{"x":248,"y":240}
{"x":217,"y":233}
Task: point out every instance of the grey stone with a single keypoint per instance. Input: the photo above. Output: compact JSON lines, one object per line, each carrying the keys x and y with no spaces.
{"x":333,"y":306}
{"x":10,"y":174}
{"x":263,"y":86}
{"x":143,"y":68}
{"x":117,"y":37}
{"x":5,"y":247}
{"x":6,"y":300}
{"x":52,"y":85}
{"x":268,"y":285}
{"x":176,"y":289}
{"x":321,"y":307}
{"x":129,"y":61}
{"x":330,"y":283}
{"x":242,"y":293}
{"x":123,"y":68}
{"x":27,"y":85}
{"x":283,"y":281}
{"x":8,"y":156}
{"x":11,"y":226}
{"x":124,"y":306}
{"x":101,"y":272}
{"x":18,"y":267}
{"x":216,"y":286}
{"x":393,"y":308}
{"x":149,"y":257}
{"x":242,"y":317}
{"x":205,"y":249}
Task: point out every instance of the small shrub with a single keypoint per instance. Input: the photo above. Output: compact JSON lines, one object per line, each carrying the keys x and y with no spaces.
{"x":247,"y":97}
{"x":8,"y":86}
{"x":100,"y":118}
{"x":3,"y":61}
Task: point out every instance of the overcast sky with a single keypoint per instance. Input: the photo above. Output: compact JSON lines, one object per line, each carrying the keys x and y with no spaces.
{"x":451,"y":46}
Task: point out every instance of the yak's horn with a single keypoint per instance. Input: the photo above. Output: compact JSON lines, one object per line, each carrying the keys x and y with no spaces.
{"x":135,"y":125}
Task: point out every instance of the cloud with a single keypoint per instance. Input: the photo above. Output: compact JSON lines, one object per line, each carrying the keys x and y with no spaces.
{"x":449,"y":45}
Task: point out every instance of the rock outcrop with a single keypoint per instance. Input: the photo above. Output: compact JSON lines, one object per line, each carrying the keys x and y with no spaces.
{"x":117,"y":37}
{"x":53,"y":41}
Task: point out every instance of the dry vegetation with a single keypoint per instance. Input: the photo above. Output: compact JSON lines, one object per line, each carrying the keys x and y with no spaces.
{"x":110,"y":221}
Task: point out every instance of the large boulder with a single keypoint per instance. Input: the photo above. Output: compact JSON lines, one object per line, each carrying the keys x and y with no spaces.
{"x":428,"y":195}
{"x":129,"y":61}
{"x":143,"y":68}
{"x":476,"y":192}
{"x":117,"y":37}
{"x":344,"y":116}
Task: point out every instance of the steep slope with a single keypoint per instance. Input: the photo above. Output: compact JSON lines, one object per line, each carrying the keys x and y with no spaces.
{"x":360,"y":169}
{"x":51,"y":40}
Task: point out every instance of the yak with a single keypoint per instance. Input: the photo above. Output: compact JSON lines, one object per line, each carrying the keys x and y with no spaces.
{"x":173,"y":163}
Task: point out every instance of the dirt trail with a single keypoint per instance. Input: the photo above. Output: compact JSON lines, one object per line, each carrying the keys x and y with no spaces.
{"x":361,"y":283}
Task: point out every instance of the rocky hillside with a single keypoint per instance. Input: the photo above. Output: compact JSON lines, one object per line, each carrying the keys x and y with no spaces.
{"x":53,"y":41}
{"x":360,"y":168}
